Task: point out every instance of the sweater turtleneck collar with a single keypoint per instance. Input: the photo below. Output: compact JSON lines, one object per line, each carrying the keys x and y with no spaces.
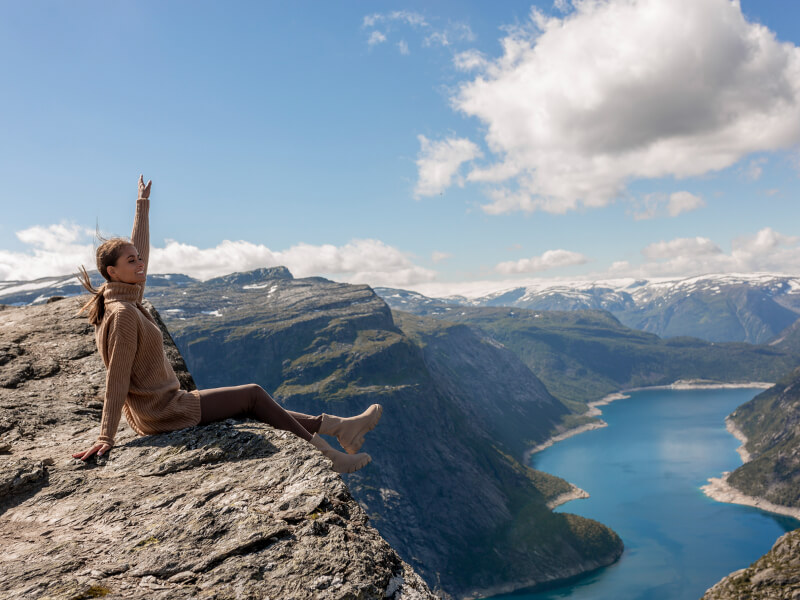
{"x":121,"y":292}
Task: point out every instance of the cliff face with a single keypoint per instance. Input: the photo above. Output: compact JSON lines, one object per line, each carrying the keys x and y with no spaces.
{"x":771,"y":423}
{"x":234,"y":509}
{"x":774,"y":576}
{"x":444,"y":487}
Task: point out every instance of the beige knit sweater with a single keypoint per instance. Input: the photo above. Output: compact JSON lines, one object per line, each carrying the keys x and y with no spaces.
{"x":139,"y":378}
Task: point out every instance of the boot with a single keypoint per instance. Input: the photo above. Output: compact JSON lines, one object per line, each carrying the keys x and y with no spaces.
{"x":350,"y":431}
{"x":342,"y":463}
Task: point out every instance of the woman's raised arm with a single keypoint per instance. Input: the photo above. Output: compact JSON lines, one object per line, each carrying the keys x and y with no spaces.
{"x":140,"y":236}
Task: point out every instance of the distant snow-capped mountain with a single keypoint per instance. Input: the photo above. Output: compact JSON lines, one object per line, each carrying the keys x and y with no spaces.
{"x":753,"y":308}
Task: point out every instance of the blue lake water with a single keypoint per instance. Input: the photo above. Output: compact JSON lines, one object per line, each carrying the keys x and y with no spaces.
{"x":644,"y":472}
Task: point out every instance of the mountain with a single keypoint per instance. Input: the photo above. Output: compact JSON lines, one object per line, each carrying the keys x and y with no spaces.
{"x":583,"y":355}
{"x":717,"y":308}
{"x":774,"y":575}
{"x":227,"y":510}
{"x":445,"y":487}
{"x":771,"y":424}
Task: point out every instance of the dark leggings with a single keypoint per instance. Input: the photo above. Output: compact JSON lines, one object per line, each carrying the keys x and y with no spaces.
{"x":252,"y":401}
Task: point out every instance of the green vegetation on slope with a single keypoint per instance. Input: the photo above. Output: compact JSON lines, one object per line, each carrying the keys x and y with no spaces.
{"x":771,"y":423}
{"x":583,"y":355}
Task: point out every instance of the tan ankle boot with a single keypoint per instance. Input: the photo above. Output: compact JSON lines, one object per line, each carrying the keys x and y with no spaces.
{"x":342,"y":463}
{"x":350,"y":431}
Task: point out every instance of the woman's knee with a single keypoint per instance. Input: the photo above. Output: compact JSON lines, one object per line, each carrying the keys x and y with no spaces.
{"x":255,"y":394}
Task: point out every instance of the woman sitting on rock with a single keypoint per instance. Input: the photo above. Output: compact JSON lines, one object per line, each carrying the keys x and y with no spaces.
{"x":141,"y":383}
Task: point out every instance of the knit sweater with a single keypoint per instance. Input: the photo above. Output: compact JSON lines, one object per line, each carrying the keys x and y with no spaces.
{"x":139,"y":378}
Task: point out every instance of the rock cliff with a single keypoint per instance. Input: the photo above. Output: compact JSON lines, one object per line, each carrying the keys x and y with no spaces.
{"x":774,"y":576}
{"x":231,"y":510}
{"x":445,"y":487}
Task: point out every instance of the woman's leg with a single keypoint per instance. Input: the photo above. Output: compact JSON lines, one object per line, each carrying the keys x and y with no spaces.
{"x":252,"y":401}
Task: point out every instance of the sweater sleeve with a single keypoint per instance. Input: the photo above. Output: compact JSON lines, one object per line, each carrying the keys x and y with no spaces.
{"x":122,"y":344}
{"x":140,"y":236}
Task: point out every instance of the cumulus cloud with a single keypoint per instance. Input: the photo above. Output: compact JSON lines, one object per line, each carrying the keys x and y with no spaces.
{"x":656,"y":205}
{"x":438,"y":163}
{"x":470,"y":60}
{"x":437,"y":256}
{"x":376,"y":37}
{"x":618,"y":90}
{"x":60,"y":249}
{"x":756,"y":168}
{"x":694,"y":247}
{"x":432,"y":34}
{"x":55,"y":250}
{"x":681,"y":202}
{"x":549,"y":260}
{"x":765,"y":251}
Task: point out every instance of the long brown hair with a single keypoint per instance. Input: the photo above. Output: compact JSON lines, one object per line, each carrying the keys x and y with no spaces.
{"x":107,"y":255}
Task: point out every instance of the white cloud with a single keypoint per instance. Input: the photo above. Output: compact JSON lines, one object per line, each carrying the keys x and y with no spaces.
{"x":561,"y":5}
{"x":437,"y":256}
{"x":756,"y":168}
{"x":376,"y":37}
{"x":407,"y":17}
{"x":470,"y":60}
{"x":656,"y":205}
{"x":438,"y":162}
{"x":55,"y":250}
{"x":61,"y":249}
{"x":360,"y":261}
{"x":416,"y":24}
{"x":549,"y":260}
{"x":693,"y":247}
{"x":681,"y":202}
{"x":765,"y":251}
{"x":620,"y":90}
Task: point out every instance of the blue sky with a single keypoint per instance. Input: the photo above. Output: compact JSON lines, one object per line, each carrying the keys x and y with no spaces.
{"x":418,"y":145}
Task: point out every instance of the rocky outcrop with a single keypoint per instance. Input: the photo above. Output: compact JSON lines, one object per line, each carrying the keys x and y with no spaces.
{"x":230,"y":510}
{"x":774,"y":576}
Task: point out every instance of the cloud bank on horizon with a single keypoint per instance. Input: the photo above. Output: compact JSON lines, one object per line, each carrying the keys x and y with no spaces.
{"x":60,"y":249}
{"x":577,"y":107}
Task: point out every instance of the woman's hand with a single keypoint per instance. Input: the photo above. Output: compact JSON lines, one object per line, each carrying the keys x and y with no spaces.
{"x":99,"y":448}
{"x":144,"y":190}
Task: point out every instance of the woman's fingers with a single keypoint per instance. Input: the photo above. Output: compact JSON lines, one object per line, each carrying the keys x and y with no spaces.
{"x":144,"y":190}
{"x":88,"y":453}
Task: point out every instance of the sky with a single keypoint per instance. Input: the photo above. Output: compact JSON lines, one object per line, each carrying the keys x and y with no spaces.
{"x":427,"y":146}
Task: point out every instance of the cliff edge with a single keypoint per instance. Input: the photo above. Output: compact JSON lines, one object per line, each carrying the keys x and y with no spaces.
{"x":234,"y":509}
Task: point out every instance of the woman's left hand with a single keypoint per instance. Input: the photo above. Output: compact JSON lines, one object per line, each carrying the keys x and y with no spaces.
{"x":99,"y":448}
{"x":144,"y":190}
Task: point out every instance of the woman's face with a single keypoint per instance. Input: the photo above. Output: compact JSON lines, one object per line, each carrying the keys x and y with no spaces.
{"x":129,"y":267}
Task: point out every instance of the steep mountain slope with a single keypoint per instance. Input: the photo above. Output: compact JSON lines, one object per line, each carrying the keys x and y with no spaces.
{"x":583,"y":355}
{"x":444,"y":488}
{"x":717,"y":308}
{"x":771,"y":423}
{"x":774,"y":575}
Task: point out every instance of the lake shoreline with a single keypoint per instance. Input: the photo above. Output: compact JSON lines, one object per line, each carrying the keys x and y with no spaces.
{"x":720,"y":490}
{"x":594,"y":411}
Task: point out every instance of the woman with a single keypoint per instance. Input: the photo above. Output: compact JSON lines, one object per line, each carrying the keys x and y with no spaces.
{"x":141,"y":383}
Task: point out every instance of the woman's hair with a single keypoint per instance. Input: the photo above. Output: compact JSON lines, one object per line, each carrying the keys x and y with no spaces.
{"x":107,"y":254}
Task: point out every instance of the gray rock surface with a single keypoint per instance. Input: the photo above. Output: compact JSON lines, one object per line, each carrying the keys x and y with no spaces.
{"x":230,"y":510}
{"x":774,"y":576}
